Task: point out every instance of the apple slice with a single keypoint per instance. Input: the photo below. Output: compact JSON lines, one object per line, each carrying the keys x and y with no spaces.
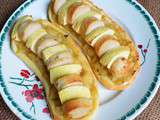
{"x":48,"y":52}
{"x":31,"y":28}
{"x":45,"y":42}
{"x":120,"y":68}
{"x":112,"y":55}
{"x":105,"y":44}
{"x":59,"y":59}
{"x":79,"y":21}
{"x":57,"y":72}
{"x":98,"y":33}
{"x":73,"y":92}
{"x":77,"y":108}
{"x":76,"y":10}
{"x":57,"y":5}
{"x":33,"y":39}
{"x":63,"y":11}
{"x":23,"y":26}
{"x":68,"y":80}
{"x":17,"y":31}
{"x":60,"y":62}
{"x":93,"y":26}
{"x":87,"y":22}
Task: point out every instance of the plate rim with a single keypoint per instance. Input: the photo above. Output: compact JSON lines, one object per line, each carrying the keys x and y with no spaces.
{"x":132,"y":113}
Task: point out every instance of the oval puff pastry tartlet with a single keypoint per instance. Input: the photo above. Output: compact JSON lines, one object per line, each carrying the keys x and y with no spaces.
{"x":49,"y":50}
{"x":110,"y":51}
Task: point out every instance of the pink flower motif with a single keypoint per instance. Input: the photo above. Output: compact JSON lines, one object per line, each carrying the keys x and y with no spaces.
{"x":28,"y":94}
{"x":45,"y":110}
{"x":25,"y":73}
{"x":145,"y":50}
{"x":36,"y":92}
{"x":140,"y":46}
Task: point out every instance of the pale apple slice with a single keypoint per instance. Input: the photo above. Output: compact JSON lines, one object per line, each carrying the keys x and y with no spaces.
{"x":34,"y":38}
{"x":57,"y":5}
{"x":60,"y":62}
{"x":87,"y":22}
{"x":112,"y":55}
{"x":60,"y":71}
{"x":95,"y":35}
{"x":77,"y":108}
{"x":79,"y":21}
{"x":23,"y":26}
{"x":120,"y":68}
{"x":76,"y":10}
{"x":59,"y":59}
{"x":50,"y":51}
{"x":31,"y":28}
{"x":63,"y":11}
{"x":68,"y":80}
{"x":45,"y":42}
{"x":93,"y":26}
{"x":105,"y":44}
{"x":18,"y":29}
{"x":73,"y":92}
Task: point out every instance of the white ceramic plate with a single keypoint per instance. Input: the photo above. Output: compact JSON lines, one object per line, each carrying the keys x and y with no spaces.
{"x":17,"y":82}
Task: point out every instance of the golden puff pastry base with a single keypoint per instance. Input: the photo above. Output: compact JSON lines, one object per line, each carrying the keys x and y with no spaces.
{"x":37,"y":65}
{"x":100,"y":71}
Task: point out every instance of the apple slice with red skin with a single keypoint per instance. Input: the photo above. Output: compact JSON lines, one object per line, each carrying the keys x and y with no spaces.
{"x":63,"y":11}
{"x":59,"y":59}
{"x":76,"y":10}
{"x":45,"y":42}
{"x":68,"y":80}
{"x":87,"y":22}
{"x":30,"y":29}
{"x":77,"y":108}
{"x":104,"y":44}
{"x":22,"y":27}
{"x":94,"y":24}
{"x":93,"y":37}
{"x":80,"y":20}
{"x":57,"y":5}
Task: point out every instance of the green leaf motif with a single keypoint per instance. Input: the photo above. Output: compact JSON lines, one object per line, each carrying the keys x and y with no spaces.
{"x":131,"y":112}
{"x":143,"y":100}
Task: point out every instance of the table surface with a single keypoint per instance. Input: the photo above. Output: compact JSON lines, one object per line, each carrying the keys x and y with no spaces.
{"x":152,"y":112}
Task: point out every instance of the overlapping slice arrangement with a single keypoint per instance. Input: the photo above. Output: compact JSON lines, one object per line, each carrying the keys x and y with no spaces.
{"x":110,"y":50}
{"x":68,"y":80}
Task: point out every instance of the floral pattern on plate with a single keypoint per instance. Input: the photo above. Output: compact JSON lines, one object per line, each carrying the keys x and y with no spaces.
{"x":32,"y":88}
